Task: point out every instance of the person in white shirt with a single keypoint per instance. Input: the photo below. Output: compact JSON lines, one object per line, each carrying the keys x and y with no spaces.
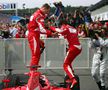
{"x":100,"y":58}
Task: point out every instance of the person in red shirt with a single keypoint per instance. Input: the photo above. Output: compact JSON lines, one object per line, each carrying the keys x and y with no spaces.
{"x":74,"y":48}
{"x":35,"y":28}
{"x":81,"y":33}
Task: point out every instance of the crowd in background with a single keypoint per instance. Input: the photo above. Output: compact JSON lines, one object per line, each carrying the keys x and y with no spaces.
{"x":12,"y":31}
{"x":81,"y":20}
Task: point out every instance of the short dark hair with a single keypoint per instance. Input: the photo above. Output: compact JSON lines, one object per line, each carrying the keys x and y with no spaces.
{"x":46,"y":5}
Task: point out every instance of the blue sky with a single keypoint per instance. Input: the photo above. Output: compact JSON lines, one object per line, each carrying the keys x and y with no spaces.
{"x":38,"y":3}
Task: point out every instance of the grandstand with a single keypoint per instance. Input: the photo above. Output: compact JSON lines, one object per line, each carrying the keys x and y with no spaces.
{"x":100,"y":9}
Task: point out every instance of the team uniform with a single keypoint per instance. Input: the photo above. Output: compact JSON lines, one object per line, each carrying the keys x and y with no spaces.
{"x":74,"y":49}
{"x":35,"y":28}
{"x":100,"y":58}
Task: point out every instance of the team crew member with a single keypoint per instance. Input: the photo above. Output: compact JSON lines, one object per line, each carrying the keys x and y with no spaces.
{"x":35,"y":28}
{"x":74,"y":50}
{"x":100,"y":58}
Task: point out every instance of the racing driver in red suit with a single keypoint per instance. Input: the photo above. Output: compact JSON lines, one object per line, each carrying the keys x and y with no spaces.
{"x":71,"y":34}
{"x":35,"y":28}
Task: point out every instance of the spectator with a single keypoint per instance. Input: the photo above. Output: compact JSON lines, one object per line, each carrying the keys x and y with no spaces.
{"x":87,"y":18}
{"x":59,"y":9}
{"x":81,"y":33}
{"x":14,"y":30}
{"x":91,"y":31}
{"x":78,"y":18}
{"x":20,"y":33}
{"x":5,"y":32}
{"x":58,"y":12}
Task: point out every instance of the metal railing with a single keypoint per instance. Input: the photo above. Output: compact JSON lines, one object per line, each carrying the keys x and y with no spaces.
{"x":15,"y":53}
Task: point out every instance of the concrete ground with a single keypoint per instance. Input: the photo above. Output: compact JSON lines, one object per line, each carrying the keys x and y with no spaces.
{"x":86,"y":80}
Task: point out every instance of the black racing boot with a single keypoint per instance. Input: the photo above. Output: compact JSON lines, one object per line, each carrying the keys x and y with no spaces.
{"x":102,"y":87}
{"x":99,"y":85}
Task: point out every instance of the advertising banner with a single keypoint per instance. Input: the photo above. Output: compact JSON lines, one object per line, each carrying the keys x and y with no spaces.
{"x":8,"y":6}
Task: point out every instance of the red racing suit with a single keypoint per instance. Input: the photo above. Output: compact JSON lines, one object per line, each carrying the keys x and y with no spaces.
{"x":74,"y":50}
{"x":35,"y":28}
